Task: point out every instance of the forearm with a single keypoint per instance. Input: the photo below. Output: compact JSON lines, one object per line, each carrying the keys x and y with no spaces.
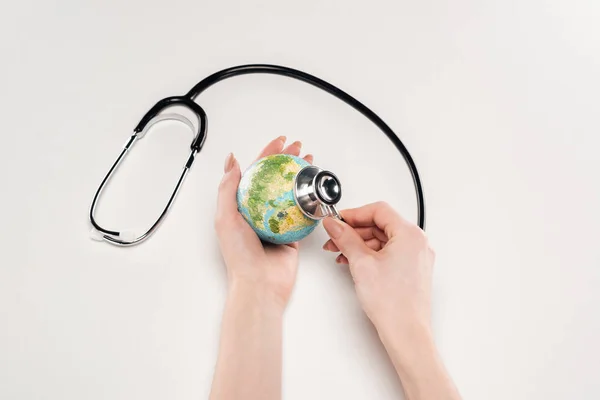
{"x":419,"y":366}
{"x":249,"y":362}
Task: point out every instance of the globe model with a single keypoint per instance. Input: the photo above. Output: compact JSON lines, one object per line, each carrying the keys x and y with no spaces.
{"x":265,"y":198}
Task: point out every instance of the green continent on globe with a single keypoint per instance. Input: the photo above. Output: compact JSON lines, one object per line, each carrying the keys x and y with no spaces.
{"x":266,"y":199}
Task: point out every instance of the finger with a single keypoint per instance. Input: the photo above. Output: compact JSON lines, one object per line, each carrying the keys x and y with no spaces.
{"x":347,"y":240}
{"x":294,"y":245}
{"x":341,"y":259}
{"x":376,"y":214}
{"x":330,"y":246}
{"x":373,"y":244}
{"x":293,"y":149}
{"x":365,"y":233}
{"x":227,"y":209}
{"x":274,"y":147}
{"x":371,"y":232}
{"x":309,"y":158}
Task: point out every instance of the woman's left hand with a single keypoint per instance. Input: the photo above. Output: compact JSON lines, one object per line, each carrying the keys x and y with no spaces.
{"x":265,"y":271}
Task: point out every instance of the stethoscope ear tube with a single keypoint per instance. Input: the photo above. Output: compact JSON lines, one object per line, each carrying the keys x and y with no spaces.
{"x":153,"y":116}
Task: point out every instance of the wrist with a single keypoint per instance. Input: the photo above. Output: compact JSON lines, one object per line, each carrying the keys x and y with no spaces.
{"x":407,"y":342}
{"x":256,"y":296}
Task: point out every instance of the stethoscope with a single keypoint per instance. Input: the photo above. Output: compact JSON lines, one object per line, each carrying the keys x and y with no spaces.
{"x":156,"y":115}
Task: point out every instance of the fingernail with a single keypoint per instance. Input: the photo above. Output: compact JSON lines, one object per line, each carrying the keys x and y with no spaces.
{"x":282,"y":139}
{"x":297,"y":144}
{"x":326,"y":246}
{"x":333,"y":227}
{"x":229,"y":161}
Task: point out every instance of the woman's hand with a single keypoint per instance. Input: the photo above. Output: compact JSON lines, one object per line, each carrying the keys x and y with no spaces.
{"x":267,"y":270}
{"x":391,"y":262}
{"x":261,"y":278}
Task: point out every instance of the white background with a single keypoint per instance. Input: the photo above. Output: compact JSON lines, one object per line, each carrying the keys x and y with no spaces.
{"x":497,"y":101}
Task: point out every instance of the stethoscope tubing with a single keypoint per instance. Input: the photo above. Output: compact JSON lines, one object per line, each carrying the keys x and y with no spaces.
{"x":188,"y":101}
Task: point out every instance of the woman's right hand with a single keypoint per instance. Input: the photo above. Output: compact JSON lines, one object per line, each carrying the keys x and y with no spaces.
{"x":391,"y":263}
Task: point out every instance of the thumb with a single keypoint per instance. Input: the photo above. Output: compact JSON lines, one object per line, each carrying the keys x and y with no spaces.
{"x":346,"y":239}
{"x":227,"y":198}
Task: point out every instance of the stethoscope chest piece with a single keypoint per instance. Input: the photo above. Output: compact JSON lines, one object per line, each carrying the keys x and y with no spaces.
{"x":317,"y":192}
